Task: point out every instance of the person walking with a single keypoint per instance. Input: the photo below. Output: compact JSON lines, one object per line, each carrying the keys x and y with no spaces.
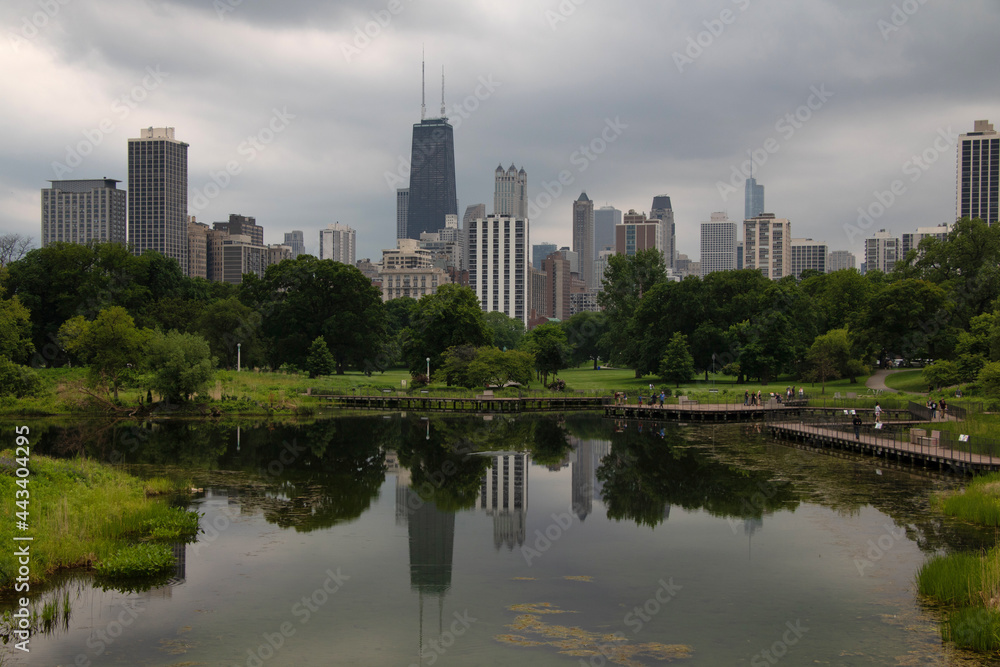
{"x":878,"y":413}
{"x":746,"y":397}
{"x":857,"y":426}
{"x":663,"y":395}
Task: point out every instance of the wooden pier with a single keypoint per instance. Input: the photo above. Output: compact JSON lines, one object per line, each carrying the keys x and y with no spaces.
{"x":888,"y":446}
{"x":477,"y":404}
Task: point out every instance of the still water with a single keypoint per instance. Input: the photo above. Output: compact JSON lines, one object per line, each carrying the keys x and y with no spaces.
{"x":544,"y":540}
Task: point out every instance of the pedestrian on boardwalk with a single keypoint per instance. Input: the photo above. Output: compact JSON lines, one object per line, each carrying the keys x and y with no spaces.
{"x":759,"y":401}
{"x":663,"y":395}
{"x":746,"y":397}
{"x":878,"y":413}
{"x":857,"y":426}
{"x":944,"y":407}
{"x":640,"y":400}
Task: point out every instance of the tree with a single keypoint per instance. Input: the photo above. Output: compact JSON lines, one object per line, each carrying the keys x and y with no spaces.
{"x":627,"y":279}
{"x":495,"y":367}
{"x":13,"y":247}
{"x":988,"y":379}
{"x":677,"y":364}
{"x":320,"y":361}
{"x":15,"y":330}
{"x":111,"y":345}
{"x":181,"y":364}
{"x":905,"y":318}
{"x":942,"y":373}
{"x":449,"y":317}
{"x":826,"y":356}
{"x":17,"y":381}
{"x":226,"y":324}
{"x":453,"y":369}
{"x":552,"y":352}
{"x":584,"y":331}
{"x":507,"y":331}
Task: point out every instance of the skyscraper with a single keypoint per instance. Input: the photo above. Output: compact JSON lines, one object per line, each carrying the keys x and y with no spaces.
{"x":753,"y":199}
{"x":297,"y":242}
{"x":473,"y":211}
{"x":402,"y":211}
{"x":605,"y":219}
{"x":432,"y":173}
{"x":510,"y":196}
{"x":882,"y":252}
{"x":339,"y":243}
{"x":767,"y":243}
{"x":540,"y":251}
{"x":583,"y":238}
{"x":157,"y":194}
{"x":498,"y":264}
{"x":83,"y":211}
{"x":979,"y":173}
{"x":662,"y":211}
{"x":718,"y":244}
{"x":637,"y":233}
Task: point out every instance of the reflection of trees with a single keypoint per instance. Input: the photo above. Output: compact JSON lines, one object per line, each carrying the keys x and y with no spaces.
{"x":442,"y":468}
{"x":644,"y":473}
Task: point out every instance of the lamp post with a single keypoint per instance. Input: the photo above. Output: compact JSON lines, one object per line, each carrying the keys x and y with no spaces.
{"x":238,"y":359}
{"x":428,"y":370}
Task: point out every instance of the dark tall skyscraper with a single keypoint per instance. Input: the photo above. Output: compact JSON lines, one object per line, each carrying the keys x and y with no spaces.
{"x":432,"y":174}
{"x":979,"y":173}
{"x":664,"y":212}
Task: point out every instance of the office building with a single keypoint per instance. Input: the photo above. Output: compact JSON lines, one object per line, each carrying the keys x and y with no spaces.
{"x":510,"y":195}
{"x":661,"y":210}
{"x":158,"y":194}
{"x":753,"y":199}
{"x":558,"y":276}
{"x":808,"y":254}
{"x":636,"y":233}
{"x":339,"y":243}
{"x":198,"y":233}
{"x":402,"y":211}
{"x":540,"y":251}
{"x":739,"y":255}
{"x":838,"y":260}
{"x":767,"y":243}
{"x":605,"y":220}
{"x":583,"y":238}
{"x":718,"y":244}
{"x":82,"y":211}
{"x":242,"y":225}
{"x":408,"y":270}
{"x":911,"y":240}
{"x":473,"y":212}
{"x":979,"y":173}
{"x":296,"y":240}
{"x":882,"y":252}
{"x":498,"y":264}
{"x":538,"y":303}
{"x":432,"y":172}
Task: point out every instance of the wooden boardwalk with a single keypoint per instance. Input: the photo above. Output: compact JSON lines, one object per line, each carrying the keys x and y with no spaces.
{"x":889,"y":446}
{"x":478,"y":404}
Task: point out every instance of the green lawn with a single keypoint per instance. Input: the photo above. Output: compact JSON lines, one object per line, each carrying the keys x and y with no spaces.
{"x":911,"y":381}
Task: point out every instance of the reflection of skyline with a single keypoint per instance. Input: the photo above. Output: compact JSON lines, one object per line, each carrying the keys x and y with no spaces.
{"x":504,"y":496}
{"x":585,"y":458}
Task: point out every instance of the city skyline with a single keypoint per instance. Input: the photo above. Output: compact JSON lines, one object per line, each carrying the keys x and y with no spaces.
{"x":319,"y":131}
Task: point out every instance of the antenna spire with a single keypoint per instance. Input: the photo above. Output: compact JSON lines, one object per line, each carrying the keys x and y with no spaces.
{"x":423,"y":105}
{"x":442,"y":91}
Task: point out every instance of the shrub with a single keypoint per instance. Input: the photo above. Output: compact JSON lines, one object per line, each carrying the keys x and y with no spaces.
{"x":137,"y":561}
{"x":18,"y":381}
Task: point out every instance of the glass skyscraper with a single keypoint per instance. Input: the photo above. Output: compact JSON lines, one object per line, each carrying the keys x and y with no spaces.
{"x":754,"y":199}
{"x":432,"y":177}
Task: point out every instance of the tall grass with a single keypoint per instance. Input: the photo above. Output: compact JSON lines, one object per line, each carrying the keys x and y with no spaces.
{"x":955,"y":579}
{"x":971,"y":584}
{"x":979,"y":502}
{"x":80,"y":513}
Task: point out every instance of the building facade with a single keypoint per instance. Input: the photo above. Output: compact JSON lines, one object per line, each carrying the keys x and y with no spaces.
{"x":911,"y":240}
{"x":432,"y":177}
{"x":882,"y":252}
{"x":559,"y":281}
{"x":605,"y":220}
{"x":402,"y":211}
{"x":753,"y":199}
{"x":838,"y":260}
{"x":637,"y":233}
{"x":808,"y":254}
{"x":663,"y":211}
{"x":296,"y":240}
{"x":510,"y":195}
{"x":408,"y":270}
{"x":583,"y":237}
{"x":498,"y":264}
{"x":767,"y":243}
{"x":979,"y":173}
{"x":540,"y":251}
{"x":158,"y":194}
{"x":242,"y":225}
{"x":198,"y":249}
{"x":718,"y":244}
{"x":339,"y":243}
{"x":82,"y":211}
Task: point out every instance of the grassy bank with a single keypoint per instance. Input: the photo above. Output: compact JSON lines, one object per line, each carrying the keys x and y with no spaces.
{"x":910,"y":381}
{"x":978,"y":502}
{"x":85,"y":514}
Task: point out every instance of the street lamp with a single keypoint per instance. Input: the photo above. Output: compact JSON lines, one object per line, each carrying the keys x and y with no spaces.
{"x":428,"y":370}
{"x":238,"y":357}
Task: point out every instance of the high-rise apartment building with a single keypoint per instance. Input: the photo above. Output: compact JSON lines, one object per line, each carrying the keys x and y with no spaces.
{"x":296,"y":240}
{"x":605,"y":219}
{"x":510,"y":196}
{"x":198,"y":233}
{"x":979,"y":173}
{"x":402,"y":211}
{"x":753,"y":199}
{"x":882,"y":251}
{"x":559,"y":284}
{"x":718,"y":244}
{"x":911,"y":240}
{"x":808,"y":254}
{"x":83,"y":211}
{"x":242,"y":225}
{"x":157,"y":194}
{"x":839,"y":260}
{"x":583,"y":238}
{"x":339,"y":243}
{"x":637,"y":233}
{"x":767,"y":245}
{"x":498,"y":264}
{"x":664,"y":212}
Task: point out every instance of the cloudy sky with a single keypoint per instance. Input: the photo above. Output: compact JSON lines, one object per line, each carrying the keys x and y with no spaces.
{"x":311,"y":105}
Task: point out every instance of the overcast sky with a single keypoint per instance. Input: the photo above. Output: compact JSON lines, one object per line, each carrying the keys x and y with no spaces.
{"x":669,"y":96}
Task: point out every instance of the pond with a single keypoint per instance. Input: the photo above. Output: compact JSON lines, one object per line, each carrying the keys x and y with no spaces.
{"x":537,"y":540}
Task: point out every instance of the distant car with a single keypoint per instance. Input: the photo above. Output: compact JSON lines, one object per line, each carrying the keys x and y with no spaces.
{"x":898,"y":363}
